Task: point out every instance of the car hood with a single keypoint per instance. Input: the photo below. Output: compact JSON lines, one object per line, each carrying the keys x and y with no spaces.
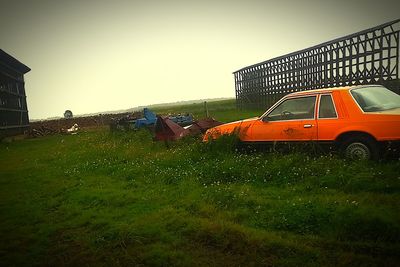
{"x":237,"y":127}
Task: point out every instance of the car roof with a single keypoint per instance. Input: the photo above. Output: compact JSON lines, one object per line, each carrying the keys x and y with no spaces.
{"x":328,"y":90}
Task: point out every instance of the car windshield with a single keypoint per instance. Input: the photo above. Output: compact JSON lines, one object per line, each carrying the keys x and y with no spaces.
{"x":376,"y":98}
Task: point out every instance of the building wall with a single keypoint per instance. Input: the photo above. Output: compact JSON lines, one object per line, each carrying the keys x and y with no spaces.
{"x":13,"y":107}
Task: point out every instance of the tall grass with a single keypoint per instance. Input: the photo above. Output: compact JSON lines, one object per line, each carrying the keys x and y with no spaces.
{"x":101,"y":198}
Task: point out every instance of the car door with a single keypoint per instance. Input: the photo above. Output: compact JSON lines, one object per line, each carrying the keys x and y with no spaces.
{"x":328,"y":120}
{"x":291,"y":120}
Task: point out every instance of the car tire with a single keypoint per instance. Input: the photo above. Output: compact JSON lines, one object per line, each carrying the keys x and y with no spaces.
{"x":360,"y":148}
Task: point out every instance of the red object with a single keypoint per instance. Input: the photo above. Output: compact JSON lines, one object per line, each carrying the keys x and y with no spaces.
{"x":166,"y":129}
{"x":201,"y":126}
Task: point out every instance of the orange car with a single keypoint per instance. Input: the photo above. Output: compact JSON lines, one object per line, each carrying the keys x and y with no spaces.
{"x":357,"y":119}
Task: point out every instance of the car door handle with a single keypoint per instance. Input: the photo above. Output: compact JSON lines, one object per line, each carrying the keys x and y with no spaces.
{"x":308,"y":125}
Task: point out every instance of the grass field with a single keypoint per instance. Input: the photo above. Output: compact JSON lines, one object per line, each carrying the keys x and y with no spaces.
{"x":120,"y":199}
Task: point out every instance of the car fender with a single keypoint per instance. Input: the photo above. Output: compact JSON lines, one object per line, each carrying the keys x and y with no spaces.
{"x":355,"y":128}
{"x":240,"y":128}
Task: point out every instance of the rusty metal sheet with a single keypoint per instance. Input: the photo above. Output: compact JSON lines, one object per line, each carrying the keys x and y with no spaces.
{"x":201,"y":126}
{"x":166,"y":130}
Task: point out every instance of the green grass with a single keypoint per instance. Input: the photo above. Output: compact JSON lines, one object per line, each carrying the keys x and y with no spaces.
{"x":101,"y":199}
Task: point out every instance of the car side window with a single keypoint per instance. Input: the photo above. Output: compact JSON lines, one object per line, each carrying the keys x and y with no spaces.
{"x":294,"y":109}
{"x":326,"y":107}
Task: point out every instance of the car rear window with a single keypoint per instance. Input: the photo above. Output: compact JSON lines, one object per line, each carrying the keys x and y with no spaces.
{"x":376,"y":98}
{"x":326,"y":107}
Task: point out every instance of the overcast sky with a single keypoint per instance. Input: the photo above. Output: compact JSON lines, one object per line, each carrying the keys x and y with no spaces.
{"x":96,"y":55}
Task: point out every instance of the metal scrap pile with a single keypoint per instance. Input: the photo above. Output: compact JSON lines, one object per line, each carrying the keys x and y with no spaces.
{"x":167,"y":130}
{"x":41,"y":131}
{"x":170,"y":127}
{"x":125,"y":122}
{"x":147,"y":120}
{"x":57,"y":126}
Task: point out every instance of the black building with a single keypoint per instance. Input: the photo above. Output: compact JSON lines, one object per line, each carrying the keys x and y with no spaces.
{"x":13,"y":109}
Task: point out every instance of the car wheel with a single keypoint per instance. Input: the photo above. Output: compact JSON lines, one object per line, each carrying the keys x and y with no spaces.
{"x":360,"y":148}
